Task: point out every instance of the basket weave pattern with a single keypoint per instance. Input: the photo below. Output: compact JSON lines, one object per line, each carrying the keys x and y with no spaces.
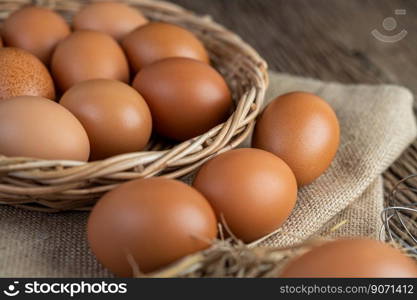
{"x":55,"y":186}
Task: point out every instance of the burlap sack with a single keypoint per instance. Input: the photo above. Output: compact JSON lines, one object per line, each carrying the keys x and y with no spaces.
{"x":377,"y":124}
{"x":361,"y":218}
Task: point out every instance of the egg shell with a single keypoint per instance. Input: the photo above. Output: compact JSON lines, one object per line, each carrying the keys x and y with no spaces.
{"x":23,"y":74}
{"x":303,"y":130}
{"x":156,"y":41}
{"x":88,"y":55}
{"x":186,"y":97}
{"x":40,"y":128}
{"x":35,"y":29}
{"x":113,"y":18}
{"x":350,"y":258}
{"x":115,"y":116}
{"x":253,"y":189}
{"x":156,"y":221}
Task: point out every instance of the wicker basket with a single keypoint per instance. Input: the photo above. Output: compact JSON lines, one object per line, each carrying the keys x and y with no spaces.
{"x":55,"y":186}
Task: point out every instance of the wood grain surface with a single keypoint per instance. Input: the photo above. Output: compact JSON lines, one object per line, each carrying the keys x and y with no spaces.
{"x":325,"y":39}
{"x":329,"y":40}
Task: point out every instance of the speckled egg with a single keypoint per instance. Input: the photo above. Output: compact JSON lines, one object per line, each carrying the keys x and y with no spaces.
{"x":23,"y":74}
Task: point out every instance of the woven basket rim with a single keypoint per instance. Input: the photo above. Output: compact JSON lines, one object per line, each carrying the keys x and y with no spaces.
{"x":57,"y":185}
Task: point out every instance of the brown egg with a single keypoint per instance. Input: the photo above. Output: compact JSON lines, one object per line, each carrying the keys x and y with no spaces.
{"x":253,"y":189}
{"x":115,"y":116}
{"x":303,"y":130}
{"x":40,"y":128}
{"x":186,"y":97}
{"x":156,"y":221}
{"x":352,"y":258}
{"x":35,"y":29}
{"x":22,"y":74}
{"x":156,"y":41}
{"x":88,"y":55}
{"x":113,"y":18}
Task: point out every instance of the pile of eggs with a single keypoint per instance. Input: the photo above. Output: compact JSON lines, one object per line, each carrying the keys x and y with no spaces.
{"x":104,"y":88}
{"x":113,"y":81}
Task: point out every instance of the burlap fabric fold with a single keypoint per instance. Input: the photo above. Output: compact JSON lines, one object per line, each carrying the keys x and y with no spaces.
{"x":377,"y":124}
{"x":361,"y":218}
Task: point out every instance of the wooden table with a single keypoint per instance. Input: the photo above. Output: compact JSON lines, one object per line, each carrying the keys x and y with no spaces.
{"x":330,"y":40}
{"x":325,"y":39}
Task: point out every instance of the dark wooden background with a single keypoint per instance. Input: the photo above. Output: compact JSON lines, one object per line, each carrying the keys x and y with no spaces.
{"x":330,"y":40}
{"x":325,"y":39}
